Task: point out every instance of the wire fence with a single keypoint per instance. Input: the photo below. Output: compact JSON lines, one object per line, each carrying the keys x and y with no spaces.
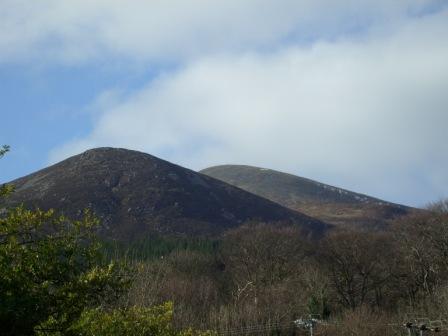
{"x":269,"y":328}
{"x":411,"y":326}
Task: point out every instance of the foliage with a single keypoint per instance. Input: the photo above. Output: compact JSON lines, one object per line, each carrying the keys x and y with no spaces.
{"x":5,"y":189}
{"x":318,"y":305}
{"x":158,"y":246}
{"x":50,"y":270}
{"x":134,"y":321}
{"x":53,"y":280}
{"x":3,"y":150}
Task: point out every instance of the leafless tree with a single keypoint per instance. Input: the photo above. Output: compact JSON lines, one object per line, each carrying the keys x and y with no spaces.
{"x":357,"y":266}
{"x":259,"y":256}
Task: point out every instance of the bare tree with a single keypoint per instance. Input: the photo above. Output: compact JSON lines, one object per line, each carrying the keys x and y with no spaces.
{"x":422,"y":252}
{"x":260,"y":256}
{"x":357,"y":266}
{"x":440,"y":206}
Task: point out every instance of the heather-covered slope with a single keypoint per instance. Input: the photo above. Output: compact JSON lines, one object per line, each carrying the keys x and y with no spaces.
{"x":328,"y":203}
{"x":135,"y":194}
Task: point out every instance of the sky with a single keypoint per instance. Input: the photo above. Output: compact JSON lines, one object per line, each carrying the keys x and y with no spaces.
{"x":349,"y":93}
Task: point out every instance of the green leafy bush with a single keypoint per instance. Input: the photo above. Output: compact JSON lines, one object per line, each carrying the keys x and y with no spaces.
{"x":135,"y":321}
{"x":51,"y":270}
{"x":5,"y":189}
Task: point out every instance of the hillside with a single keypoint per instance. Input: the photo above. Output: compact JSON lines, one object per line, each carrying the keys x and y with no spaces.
{"x":135,"y":194}
{"x":331,"y":204}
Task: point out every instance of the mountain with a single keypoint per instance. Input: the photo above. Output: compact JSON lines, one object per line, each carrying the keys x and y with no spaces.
{"x":136,"y":194}
{"x":330,"y":204}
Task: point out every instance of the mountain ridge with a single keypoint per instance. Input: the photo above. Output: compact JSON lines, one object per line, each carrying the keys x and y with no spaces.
{"x":331,"y":204}
{"x":135,"y":193}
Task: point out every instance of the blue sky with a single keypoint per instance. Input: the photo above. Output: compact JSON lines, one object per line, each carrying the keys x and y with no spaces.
{"x":349,"y":93}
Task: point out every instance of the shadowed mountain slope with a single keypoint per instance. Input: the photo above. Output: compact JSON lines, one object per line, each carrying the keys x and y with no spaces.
{"x":331,"y":204}
{"x":135,"y":194}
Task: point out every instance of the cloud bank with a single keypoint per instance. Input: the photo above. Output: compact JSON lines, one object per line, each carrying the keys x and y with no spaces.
{"x":79,"y":31}
{"x":346,"y":92}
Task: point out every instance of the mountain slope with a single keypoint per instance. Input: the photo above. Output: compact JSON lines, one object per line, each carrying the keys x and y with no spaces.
{"x":328,"y":203}
{"x":135,"y":194}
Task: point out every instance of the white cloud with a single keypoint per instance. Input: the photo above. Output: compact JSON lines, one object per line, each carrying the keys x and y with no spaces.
{"x":73,"y":31}
{"x":369,"y":115}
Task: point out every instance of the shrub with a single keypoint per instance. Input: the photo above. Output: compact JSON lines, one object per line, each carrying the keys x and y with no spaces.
{"x":134,"y":321}
{"x":51,"y":270}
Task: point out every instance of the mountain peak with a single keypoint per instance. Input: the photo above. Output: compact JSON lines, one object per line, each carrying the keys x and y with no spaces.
{"x":135,"y":193}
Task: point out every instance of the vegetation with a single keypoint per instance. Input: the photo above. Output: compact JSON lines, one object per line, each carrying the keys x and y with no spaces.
{"x":440,"y":206}
{"x":57,"y":279}
{"x":133,"y":321}
{"x":136,"y":321}
{"x":53,"y":280}
{"x":157,"y":246}
{"x":367,"y":281}
{"x":50,"y":270}
{"x":4,"y":189}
